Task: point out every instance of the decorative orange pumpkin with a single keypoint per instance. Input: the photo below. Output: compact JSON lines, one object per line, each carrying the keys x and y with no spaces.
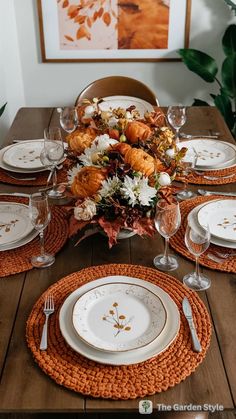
{"x":80,"y":140}
{"x":140,"y":161}
{"x":156,"y":118}
{"x":88,"y":181}
{"x":136,"y":131}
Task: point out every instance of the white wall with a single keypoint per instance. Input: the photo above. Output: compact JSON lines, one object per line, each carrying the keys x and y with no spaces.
{"x":29,"y":82}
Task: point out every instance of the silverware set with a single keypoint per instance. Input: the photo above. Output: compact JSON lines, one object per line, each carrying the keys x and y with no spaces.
{"x":48,"y":310}
{"x":211,"y":193}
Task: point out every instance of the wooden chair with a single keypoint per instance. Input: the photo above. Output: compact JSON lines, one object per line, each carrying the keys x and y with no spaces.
{"x":117,"y":85}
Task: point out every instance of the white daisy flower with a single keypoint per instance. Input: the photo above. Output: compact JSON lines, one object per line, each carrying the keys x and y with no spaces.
{"x":73,"y":172}
{"x":110,"y":187}
{"x":92,"y":154}
{"x":137,"y":190}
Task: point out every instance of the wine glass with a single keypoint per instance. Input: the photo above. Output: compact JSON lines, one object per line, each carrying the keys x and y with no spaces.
{"x":40,"y":215}
{"x":167,"y":221}
{"x":187,"y":166}
{"x":197,"y":240}
{"x":53,"y":152}
{"x":176,"y":116}
{"x":68,"y":119}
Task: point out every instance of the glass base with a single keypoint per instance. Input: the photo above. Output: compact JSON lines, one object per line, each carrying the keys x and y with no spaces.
{"x":42,"y":261}
{"x":165,"y":264}
{"x":196,"y":283}
{"x":185,"y":195}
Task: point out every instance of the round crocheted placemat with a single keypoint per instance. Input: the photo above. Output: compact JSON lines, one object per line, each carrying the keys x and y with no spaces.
{"x":74,"y":371}
{"x":177,"y":241}
{"x":18,"y":260}
{"x":224,"y":176}
{"x":41,"y":178}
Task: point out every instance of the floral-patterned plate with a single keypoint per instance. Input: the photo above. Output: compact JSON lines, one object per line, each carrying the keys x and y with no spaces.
{"x":124,"y":102}
{"x":220,"y":215}
{"x":14,"y":223}
{"x":158,"y":345}
{"x":119,"y":317}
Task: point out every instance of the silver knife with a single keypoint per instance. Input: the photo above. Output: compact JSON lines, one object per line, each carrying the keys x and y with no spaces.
{"x":21,"y":194}
{"x":208,"y":193}
{"x":188,"y":314}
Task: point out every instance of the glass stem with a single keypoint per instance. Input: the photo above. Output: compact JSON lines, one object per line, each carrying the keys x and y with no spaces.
{"x":166,"y":250}
{"x":197,"y":271}
{"x":54,"y":179}
{"x":177,"y":135}
{"x":41,"y":238}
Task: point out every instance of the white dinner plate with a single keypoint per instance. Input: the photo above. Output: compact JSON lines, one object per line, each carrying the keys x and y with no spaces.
{"x":159,"y":344}
{"x":212,"y":154}
{"x":119,"y":317}
{"x":24,"y":155}
{"x":14,"y":222}
{"x":220,"y":215}
{"x":124,"y":102}
{"x":20,"y":242}
{"x":5,"y":166}
{"x":193,"y":221}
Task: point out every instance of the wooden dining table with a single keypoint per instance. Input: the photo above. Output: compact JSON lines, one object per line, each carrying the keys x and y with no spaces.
{"x":24,"y":388}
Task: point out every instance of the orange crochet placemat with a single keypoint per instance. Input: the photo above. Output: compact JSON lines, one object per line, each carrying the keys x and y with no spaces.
{"x":74,"y":371}
{"x":18,"y":260}
{"x":41,"y":178}
{"x":224,"y":176}
{"x":177,"y":241}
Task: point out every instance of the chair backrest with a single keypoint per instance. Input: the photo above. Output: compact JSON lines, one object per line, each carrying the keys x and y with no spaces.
{"x":116,"y":86}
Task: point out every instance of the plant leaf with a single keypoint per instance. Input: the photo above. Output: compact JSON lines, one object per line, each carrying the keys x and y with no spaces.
{"x":228,"y":75}
{"x":229,"y":40}
{"x":199,"y":102}
{"x":224,"y":105}
{"x":200,"y":63}
{"x":2,"y":108}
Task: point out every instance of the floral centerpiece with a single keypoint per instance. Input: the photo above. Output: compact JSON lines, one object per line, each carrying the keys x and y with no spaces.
{"x":121,"y":164}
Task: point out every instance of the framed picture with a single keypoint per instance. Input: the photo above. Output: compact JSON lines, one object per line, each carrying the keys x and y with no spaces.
{"x":113,"y":30}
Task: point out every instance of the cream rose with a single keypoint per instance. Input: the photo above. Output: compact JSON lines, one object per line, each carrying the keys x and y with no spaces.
{"x":164,"y":179}
{"x":85,"y":211}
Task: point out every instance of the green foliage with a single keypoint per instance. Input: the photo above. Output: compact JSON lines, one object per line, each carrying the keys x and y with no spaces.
{"x":2,"y":108}
{"x":206,"y":67}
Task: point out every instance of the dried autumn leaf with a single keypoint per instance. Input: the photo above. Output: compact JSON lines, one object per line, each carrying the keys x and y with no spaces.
{"x":82,"y":32}
{"x":114,"y":14}
{"x":73,"y":11}
{"x":80,"y":19}
{"x":100,"y":12}
{"x":69,"y":38}
{"x":65,"y":4}
{"x":89,"y":22}
{"x":95,"y":16}
{"x":107,"y":18}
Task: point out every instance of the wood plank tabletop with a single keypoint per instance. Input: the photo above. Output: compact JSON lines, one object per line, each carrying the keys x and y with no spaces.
{"x":25,"y":388}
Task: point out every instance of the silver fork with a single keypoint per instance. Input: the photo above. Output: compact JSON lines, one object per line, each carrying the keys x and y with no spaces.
{"x":48,"y":310}
{"x":21,"y":178}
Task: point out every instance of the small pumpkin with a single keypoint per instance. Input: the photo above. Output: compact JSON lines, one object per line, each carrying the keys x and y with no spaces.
{"x":79,"y":140}
{"x":136,"y":131}
{"x":88,"y":181}
{"x":140,"y":161}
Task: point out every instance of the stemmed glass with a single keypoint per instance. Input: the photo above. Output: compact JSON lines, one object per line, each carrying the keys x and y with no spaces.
{"x":176,"y":116}
{"x":197,"y":240}
{"x":167,"y":221}
{"x":53,"y":153}
{"x":187,"y":166}
{"x":40,"y":215}
{"x":68,"y":119}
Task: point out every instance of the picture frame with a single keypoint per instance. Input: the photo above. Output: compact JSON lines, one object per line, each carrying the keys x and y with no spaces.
{"x":101,"y":30}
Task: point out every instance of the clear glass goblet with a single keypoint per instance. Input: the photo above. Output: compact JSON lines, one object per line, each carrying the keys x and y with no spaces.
{"x":197,"y":240}
{"x":40,"y":216}
{"x":68,"y":119}
{"x":187,"y":166}
{"x":176,"y":116}
{"x":53,"y":153}
{"x":167,"y":221}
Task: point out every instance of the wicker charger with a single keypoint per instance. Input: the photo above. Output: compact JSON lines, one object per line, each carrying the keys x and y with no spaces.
{"x":177,"y":241}
{"x":18,"y":260}
{"x":41,"y":178}
{"x":222,"y":177}
{"x":74,"y":371}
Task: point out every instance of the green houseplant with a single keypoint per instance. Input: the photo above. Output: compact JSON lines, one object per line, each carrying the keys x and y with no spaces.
{"x":2,"y":109}
{"x":206,"y":67}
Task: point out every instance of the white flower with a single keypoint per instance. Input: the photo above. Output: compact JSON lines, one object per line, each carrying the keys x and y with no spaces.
{"x":164,"y":179}
{"x":137,"y":190}
{"x":99,"y":145}
{"x":89,"y":111}
{"x":110,"y":187}
{"x":170,"y":152}
{"x":73,"y":172}
{"x":86,"y":210}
